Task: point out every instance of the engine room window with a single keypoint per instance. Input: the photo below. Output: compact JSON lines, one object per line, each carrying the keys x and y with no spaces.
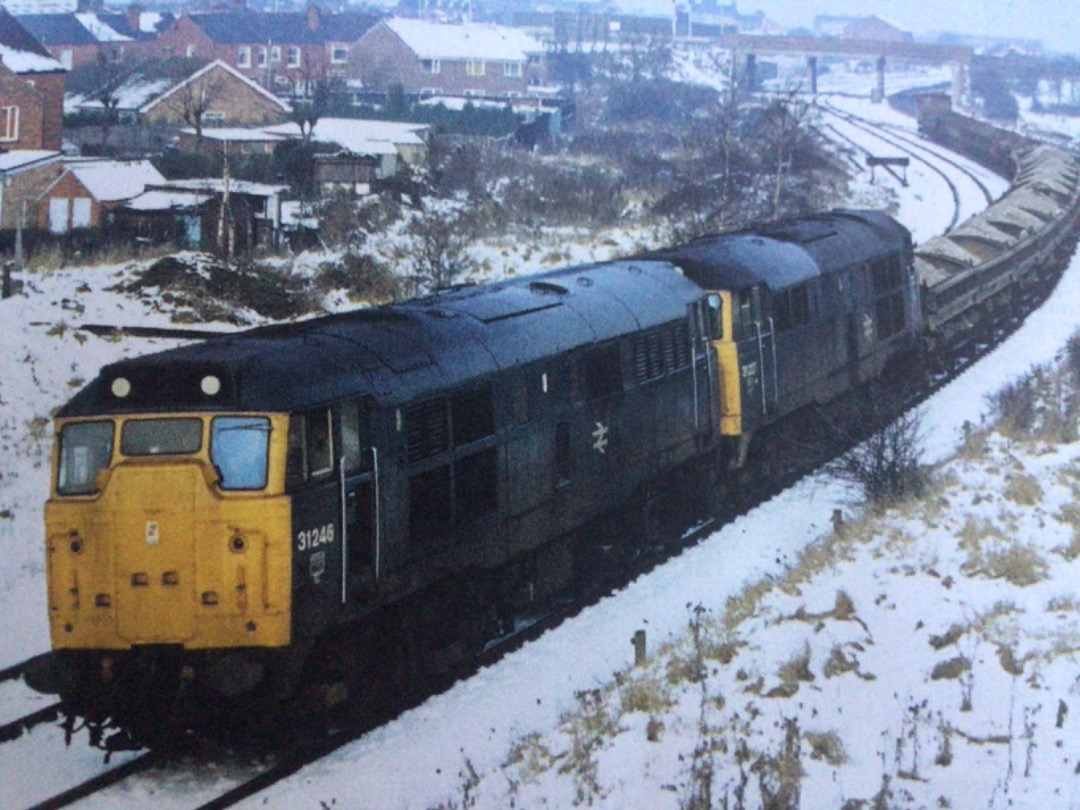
{"x":85,"y":450}
{"x":161,"y":437}
{"x":791,"y":308}
{"x":472,"y":415}
{"x":427,"y":432}
{"x":598,"y":374}
{"x":239,"y":446}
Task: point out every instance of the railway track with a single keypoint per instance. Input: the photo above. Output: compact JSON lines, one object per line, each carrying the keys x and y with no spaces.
{"x":912,"y":147}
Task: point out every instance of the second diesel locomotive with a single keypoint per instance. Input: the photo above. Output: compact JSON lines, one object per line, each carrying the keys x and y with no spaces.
{"x":263,"y":515}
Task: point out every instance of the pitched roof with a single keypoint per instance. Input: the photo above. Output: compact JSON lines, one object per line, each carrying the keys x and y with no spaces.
{"x":151,"y":24}
{"x":20,"y":52}
{"x":57,"y":29}
{"x":112,"y":180}
{"x":101,"y":31}
{"x":217,"y":64}
{"x":431,"y":40}
{"x":281,"y":28}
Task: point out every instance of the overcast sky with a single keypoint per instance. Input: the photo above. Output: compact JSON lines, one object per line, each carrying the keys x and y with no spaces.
{"x":1056,"y":22}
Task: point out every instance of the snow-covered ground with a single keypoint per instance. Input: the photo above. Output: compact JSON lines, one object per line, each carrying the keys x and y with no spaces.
{"x":546,"y":727}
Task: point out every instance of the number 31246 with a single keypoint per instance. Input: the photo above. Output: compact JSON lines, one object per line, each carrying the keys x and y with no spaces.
{"x":307,"y":539}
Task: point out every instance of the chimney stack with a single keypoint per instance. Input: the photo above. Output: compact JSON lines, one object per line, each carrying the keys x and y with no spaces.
{"x":314,"y":17}
{"x":134,"y":18}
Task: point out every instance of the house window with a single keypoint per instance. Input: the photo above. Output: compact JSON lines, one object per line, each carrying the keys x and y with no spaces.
{"x":190,"y":52}
{"x":474,"y":67}
{"x":261,"y":58}
{"x":213,"y":119}
{"x":66,"y":58}
{"x":275,"y":53}
{"x":512,"y":69}
{"x":282,"y":82}
{"x":243,"y":57}
{"x":339,"y":54}
{"x":294,"y":57}
{"x":9,"y":123}
{"x":431,"y":65}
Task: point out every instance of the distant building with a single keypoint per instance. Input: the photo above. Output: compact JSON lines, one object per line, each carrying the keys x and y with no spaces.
{"x":872,"y":29}
{"x":284,"y":52}
{"x":428,"y":58}
{"x":79,"y":39}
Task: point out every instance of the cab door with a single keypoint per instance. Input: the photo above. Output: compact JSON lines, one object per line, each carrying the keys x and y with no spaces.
{"x":756,"y":340}
{"x":358,"y":498}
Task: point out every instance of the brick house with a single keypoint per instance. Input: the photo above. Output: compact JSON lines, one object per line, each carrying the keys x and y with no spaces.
{"x":218,"y":95}
{"x":284,"y":52}
{"x":31,"y":90}
{"x":88,"y":190}
{"x":428,"y":58}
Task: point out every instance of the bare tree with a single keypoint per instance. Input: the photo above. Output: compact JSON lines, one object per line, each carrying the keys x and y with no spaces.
{"x":195,"y":98}
{"x":438,"y":249}
{"x":313,"y":105}
{"x":785,"y":121}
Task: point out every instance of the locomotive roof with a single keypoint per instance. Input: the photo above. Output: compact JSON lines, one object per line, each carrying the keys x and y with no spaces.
{"x":786,"y":253}
{"x":400,"y":352}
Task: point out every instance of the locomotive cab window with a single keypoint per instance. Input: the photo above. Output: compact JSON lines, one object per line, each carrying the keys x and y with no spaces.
{"x":311,"y":446}
{"x":161,"y":437}
{"x":746,"y":313}
{"x":239,"y":448}
{"x":85,"y":450}
{"x":355,"y":436}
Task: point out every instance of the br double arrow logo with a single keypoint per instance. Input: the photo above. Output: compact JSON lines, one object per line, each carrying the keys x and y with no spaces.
{"x":601,"y":437}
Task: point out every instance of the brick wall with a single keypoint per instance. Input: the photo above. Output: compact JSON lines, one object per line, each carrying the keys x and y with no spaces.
{"x":25,"y":186}
{"x":69,"y":188}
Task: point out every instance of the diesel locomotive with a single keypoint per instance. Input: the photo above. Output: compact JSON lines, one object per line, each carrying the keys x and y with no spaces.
{"x":261,"y":516}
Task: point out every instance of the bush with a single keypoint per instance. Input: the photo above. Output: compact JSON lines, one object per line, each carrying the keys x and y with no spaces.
{"x":887,"y":466}
{"x":362,"y":277}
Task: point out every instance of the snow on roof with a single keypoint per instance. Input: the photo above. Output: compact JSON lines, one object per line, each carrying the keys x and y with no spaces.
{"x":24,"y":158}
{"x":131,"y":95}
{"x":359,"y":136}
{"x":150,"y":20}
{"x":218,"y":64}
{"x":163,"y":200}
{"x":112,"y":180}
{"x":430,"y":40}
{"x":27,"y":62}
{"x":101,"y":31}
{"x":238,"y":134}
{"x":216,"y":185}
